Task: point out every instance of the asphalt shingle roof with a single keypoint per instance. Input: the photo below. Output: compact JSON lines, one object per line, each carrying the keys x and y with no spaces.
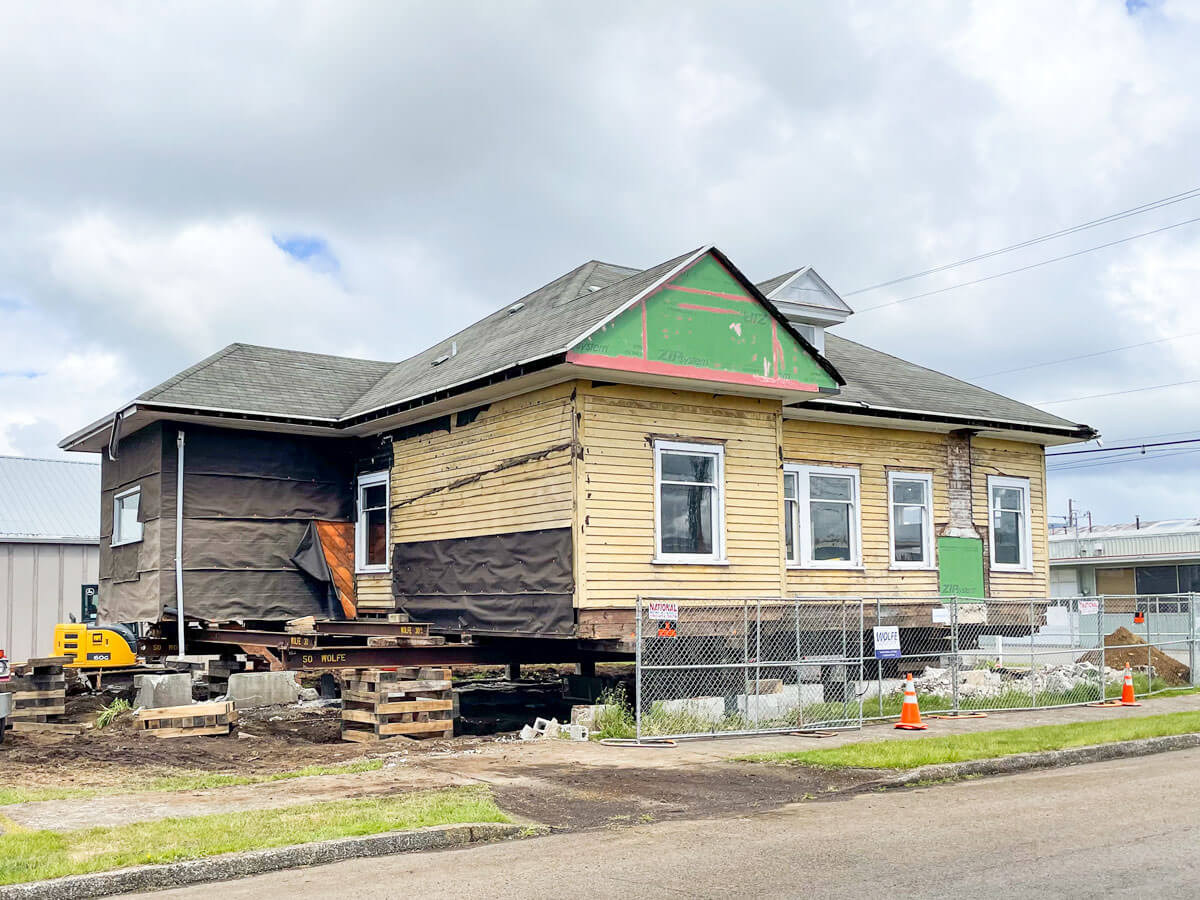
{"x":249,"y":378}
{"x":879,"y":379}
{"x":48,"y":499}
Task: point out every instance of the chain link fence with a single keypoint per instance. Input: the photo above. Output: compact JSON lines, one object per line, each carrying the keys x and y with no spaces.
{"x":757,"y":665}
{"x":747,"y":665}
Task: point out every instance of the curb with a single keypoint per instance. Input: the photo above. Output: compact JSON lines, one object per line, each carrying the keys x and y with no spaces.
{"x":257,"y":862}
{"x":1048,"y":759}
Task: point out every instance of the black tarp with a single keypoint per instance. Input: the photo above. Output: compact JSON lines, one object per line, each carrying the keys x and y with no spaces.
{"x":248,"y":500}
{"x":519,"y":583}
{"x":309,"y":558}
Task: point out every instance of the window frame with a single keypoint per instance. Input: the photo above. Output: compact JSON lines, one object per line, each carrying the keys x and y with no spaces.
{"x":802,"y":525}
{"x":1026,"y":543}
{"x":116,"y":539}
{"x":930,"y":562}
{"x":717,"y":557}
{"x":372,"y":479}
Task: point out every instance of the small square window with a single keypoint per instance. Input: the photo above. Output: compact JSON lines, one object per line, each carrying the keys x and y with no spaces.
{"x":127,"y":529}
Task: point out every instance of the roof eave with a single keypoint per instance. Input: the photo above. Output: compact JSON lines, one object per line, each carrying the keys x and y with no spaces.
{"x":849,"y":407}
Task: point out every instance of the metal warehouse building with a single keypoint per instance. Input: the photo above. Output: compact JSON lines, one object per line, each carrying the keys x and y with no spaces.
{"x":1160,"y":557}
{"x":49,"y":548}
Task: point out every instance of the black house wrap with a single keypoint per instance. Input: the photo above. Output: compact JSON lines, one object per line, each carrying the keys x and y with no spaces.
{"x":248,"y":500}
{"x":520,"y":583}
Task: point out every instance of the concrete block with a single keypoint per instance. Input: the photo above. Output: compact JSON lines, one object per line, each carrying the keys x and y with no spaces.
{"x":706,"y":709}
{"x":786,"y":702}
{"x":157,"y":691}
{"x":251,"y":689}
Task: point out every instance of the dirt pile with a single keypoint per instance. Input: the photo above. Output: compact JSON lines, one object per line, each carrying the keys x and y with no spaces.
{"x":1123,"y":646}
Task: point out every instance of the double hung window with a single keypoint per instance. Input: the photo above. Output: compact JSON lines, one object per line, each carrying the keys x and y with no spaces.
{"x":911,"y":520}
{"x":1009,"y":534}
{"x":821,"y":517}
{"x":690,"y":519}
{"x":371,"y":533}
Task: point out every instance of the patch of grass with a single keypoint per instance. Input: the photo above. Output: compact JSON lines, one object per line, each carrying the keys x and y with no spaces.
{"x":112,"y":712}
{"x":908,"y":754}
{"x":37,"y":855}
{"x":181,"y":781}
{"x":615,"y":718}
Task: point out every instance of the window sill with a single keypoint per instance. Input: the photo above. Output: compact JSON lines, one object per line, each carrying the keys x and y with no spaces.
{"x":689,"y":562}
{"x":896,"y":568}
{"x":794,"y":567}
{"x":112,"y":544}
{"x":374,"y":570}
{"x":1013,"y":570}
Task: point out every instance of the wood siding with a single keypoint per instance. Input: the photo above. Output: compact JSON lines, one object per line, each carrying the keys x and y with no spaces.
{"x":508,"y":470}
{"x":618,"y":426}
{"x":1018,"y":460}
{"x":875,"y":451}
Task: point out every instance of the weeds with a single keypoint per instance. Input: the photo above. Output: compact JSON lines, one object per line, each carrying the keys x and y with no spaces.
{"x":112,"y":712}
{"x":614,"y":718}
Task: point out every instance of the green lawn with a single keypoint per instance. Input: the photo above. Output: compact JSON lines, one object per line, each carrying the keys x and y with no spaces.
{"x":182,"y":781}
{"x":908,"y":754}
{"x":37,"y":855}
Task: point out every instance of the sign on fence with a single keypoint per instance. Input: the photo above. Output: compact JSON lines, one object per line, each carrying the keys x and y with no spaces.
{"x":1089,"y":607}
{"x":661,"y":611}
{"x":887,"y":642}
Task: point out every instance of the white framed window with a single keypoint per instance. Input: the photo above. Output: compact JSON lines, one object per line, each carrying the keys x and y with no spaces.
{"x":127,"y":529}
{"x":1009,"y":534}
{"x":822,"y":520}
{"x":371,"y":532}
{"x":910,"y":520}
{"x":689,"y":488}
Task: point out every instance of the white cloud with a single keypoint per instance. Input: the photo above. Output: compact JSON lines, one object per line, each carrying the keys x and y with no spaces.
{"x":150,"y":156}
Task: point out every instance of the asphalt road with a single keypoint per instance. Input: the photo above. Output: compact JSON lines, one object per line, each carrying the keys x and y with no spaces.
{"x":1122,"y":828}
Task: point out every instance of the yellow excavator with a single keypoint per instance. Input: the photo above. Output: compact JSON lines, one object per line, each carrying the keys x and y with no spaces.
{"x":96,"y":646}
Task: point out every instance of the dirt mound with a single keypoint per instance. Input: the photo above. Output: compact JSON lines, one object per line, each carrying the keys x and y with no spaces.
{"x":1123,"y":646}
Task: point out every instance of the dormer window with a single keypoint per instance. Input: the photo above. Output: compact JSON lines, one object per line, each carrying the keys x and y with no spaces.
{"x":809,"y":303}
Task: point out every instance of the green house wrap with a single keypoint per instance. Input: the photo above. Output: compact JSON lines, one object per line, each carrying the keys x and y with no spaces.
{"x":705,"y":324}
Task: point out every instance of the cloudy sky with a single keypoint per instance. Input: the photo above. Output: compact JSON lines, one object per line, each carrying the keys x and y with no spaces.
{"x":365,"y":178}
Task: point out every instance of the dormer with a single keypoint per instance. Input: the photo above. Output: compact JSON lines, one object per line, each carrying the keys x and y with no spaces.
{"x":809,"y":303}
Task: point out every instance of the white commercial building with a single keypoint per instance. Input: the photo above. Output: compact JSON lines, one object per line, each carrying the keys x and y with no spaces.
{"x":49,"y":549}
{"x":1140,"y":558}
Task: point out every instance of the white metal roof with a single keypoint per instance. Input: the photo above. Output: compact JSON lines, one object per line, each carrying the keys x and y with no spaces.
{"x":49,"y":500}
{"x":1128,"y":529}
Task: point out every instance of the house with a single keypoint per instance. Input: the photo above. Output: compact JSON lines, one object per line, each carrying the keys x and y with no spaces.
{"x":49,"y":549}
{"x":1160,"y":557}
{"x":677,"y":430}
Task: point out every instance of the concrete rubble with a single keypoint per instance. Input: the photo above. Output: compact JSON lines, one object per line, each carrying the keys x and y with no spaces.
{"x":159,"y":691}
{"x":984,"y":683}
{"x":253,"y":689}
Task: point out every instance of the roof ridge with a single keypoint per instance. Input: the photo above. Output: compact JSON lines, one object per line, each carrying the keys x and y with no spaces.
{"x":382,"y":362}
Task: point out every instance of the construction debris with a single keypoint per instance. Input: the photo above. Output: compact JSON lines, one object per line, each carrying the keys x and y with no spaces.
{"x":552,"y":728}
{"x":1123,"y":646}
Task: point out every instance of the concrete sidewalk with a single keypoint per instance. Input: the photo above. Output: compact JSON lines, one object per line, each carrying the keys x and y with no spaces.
{"x":715,"y":750}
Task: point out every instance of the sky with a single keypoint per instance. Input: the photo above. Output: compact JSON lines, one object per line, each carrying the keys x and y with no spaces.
{"x":365,"y":178}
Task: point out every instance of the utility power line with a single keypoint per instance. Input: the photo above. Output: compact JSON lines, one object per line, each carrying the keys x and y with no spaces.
{"x":1126,"y":447}
{"x":1113,"y":462}
{"x":1066,"y":359}
{"x":1153,"y":387}
{"x":1114,"y":217}
{"x":1045,"y":262}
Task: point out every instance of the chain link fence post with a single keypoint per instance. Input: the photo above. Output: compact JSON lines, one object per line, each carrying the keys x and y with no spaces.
{"x":878,"y":661}
{"x":1032,"y":656}
{"x":637,"y":675}
{"x":954,"y":661}
{"x":1192,"y":640}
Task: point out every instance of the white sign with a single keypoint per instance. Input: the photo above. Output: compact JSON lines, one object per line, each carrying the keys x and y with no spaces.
{"x":663,"y":612}
{"x":941,"y":615}
{"x":1089,"y":607}
{"x":887,"y":641}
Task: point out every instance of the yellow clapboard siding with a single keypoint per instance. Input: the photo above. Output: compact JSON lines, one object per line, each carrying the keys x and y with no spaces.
{"x":618,"y":503}
{"x":1017,"y":460}
{"x":516,"y":456}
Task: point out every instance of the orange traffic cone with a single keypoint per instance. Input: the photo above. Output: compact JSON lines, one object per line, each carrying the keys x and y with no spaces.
{"x":910,"y":712}
{"x":1127,"y":698}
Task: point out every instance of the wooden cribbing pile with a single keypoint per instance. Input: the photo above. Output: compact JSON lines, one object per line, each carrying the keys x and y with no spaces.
{"x":410,"y":701}
{"x":188,"y":721}
{"x":40,"y":690}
